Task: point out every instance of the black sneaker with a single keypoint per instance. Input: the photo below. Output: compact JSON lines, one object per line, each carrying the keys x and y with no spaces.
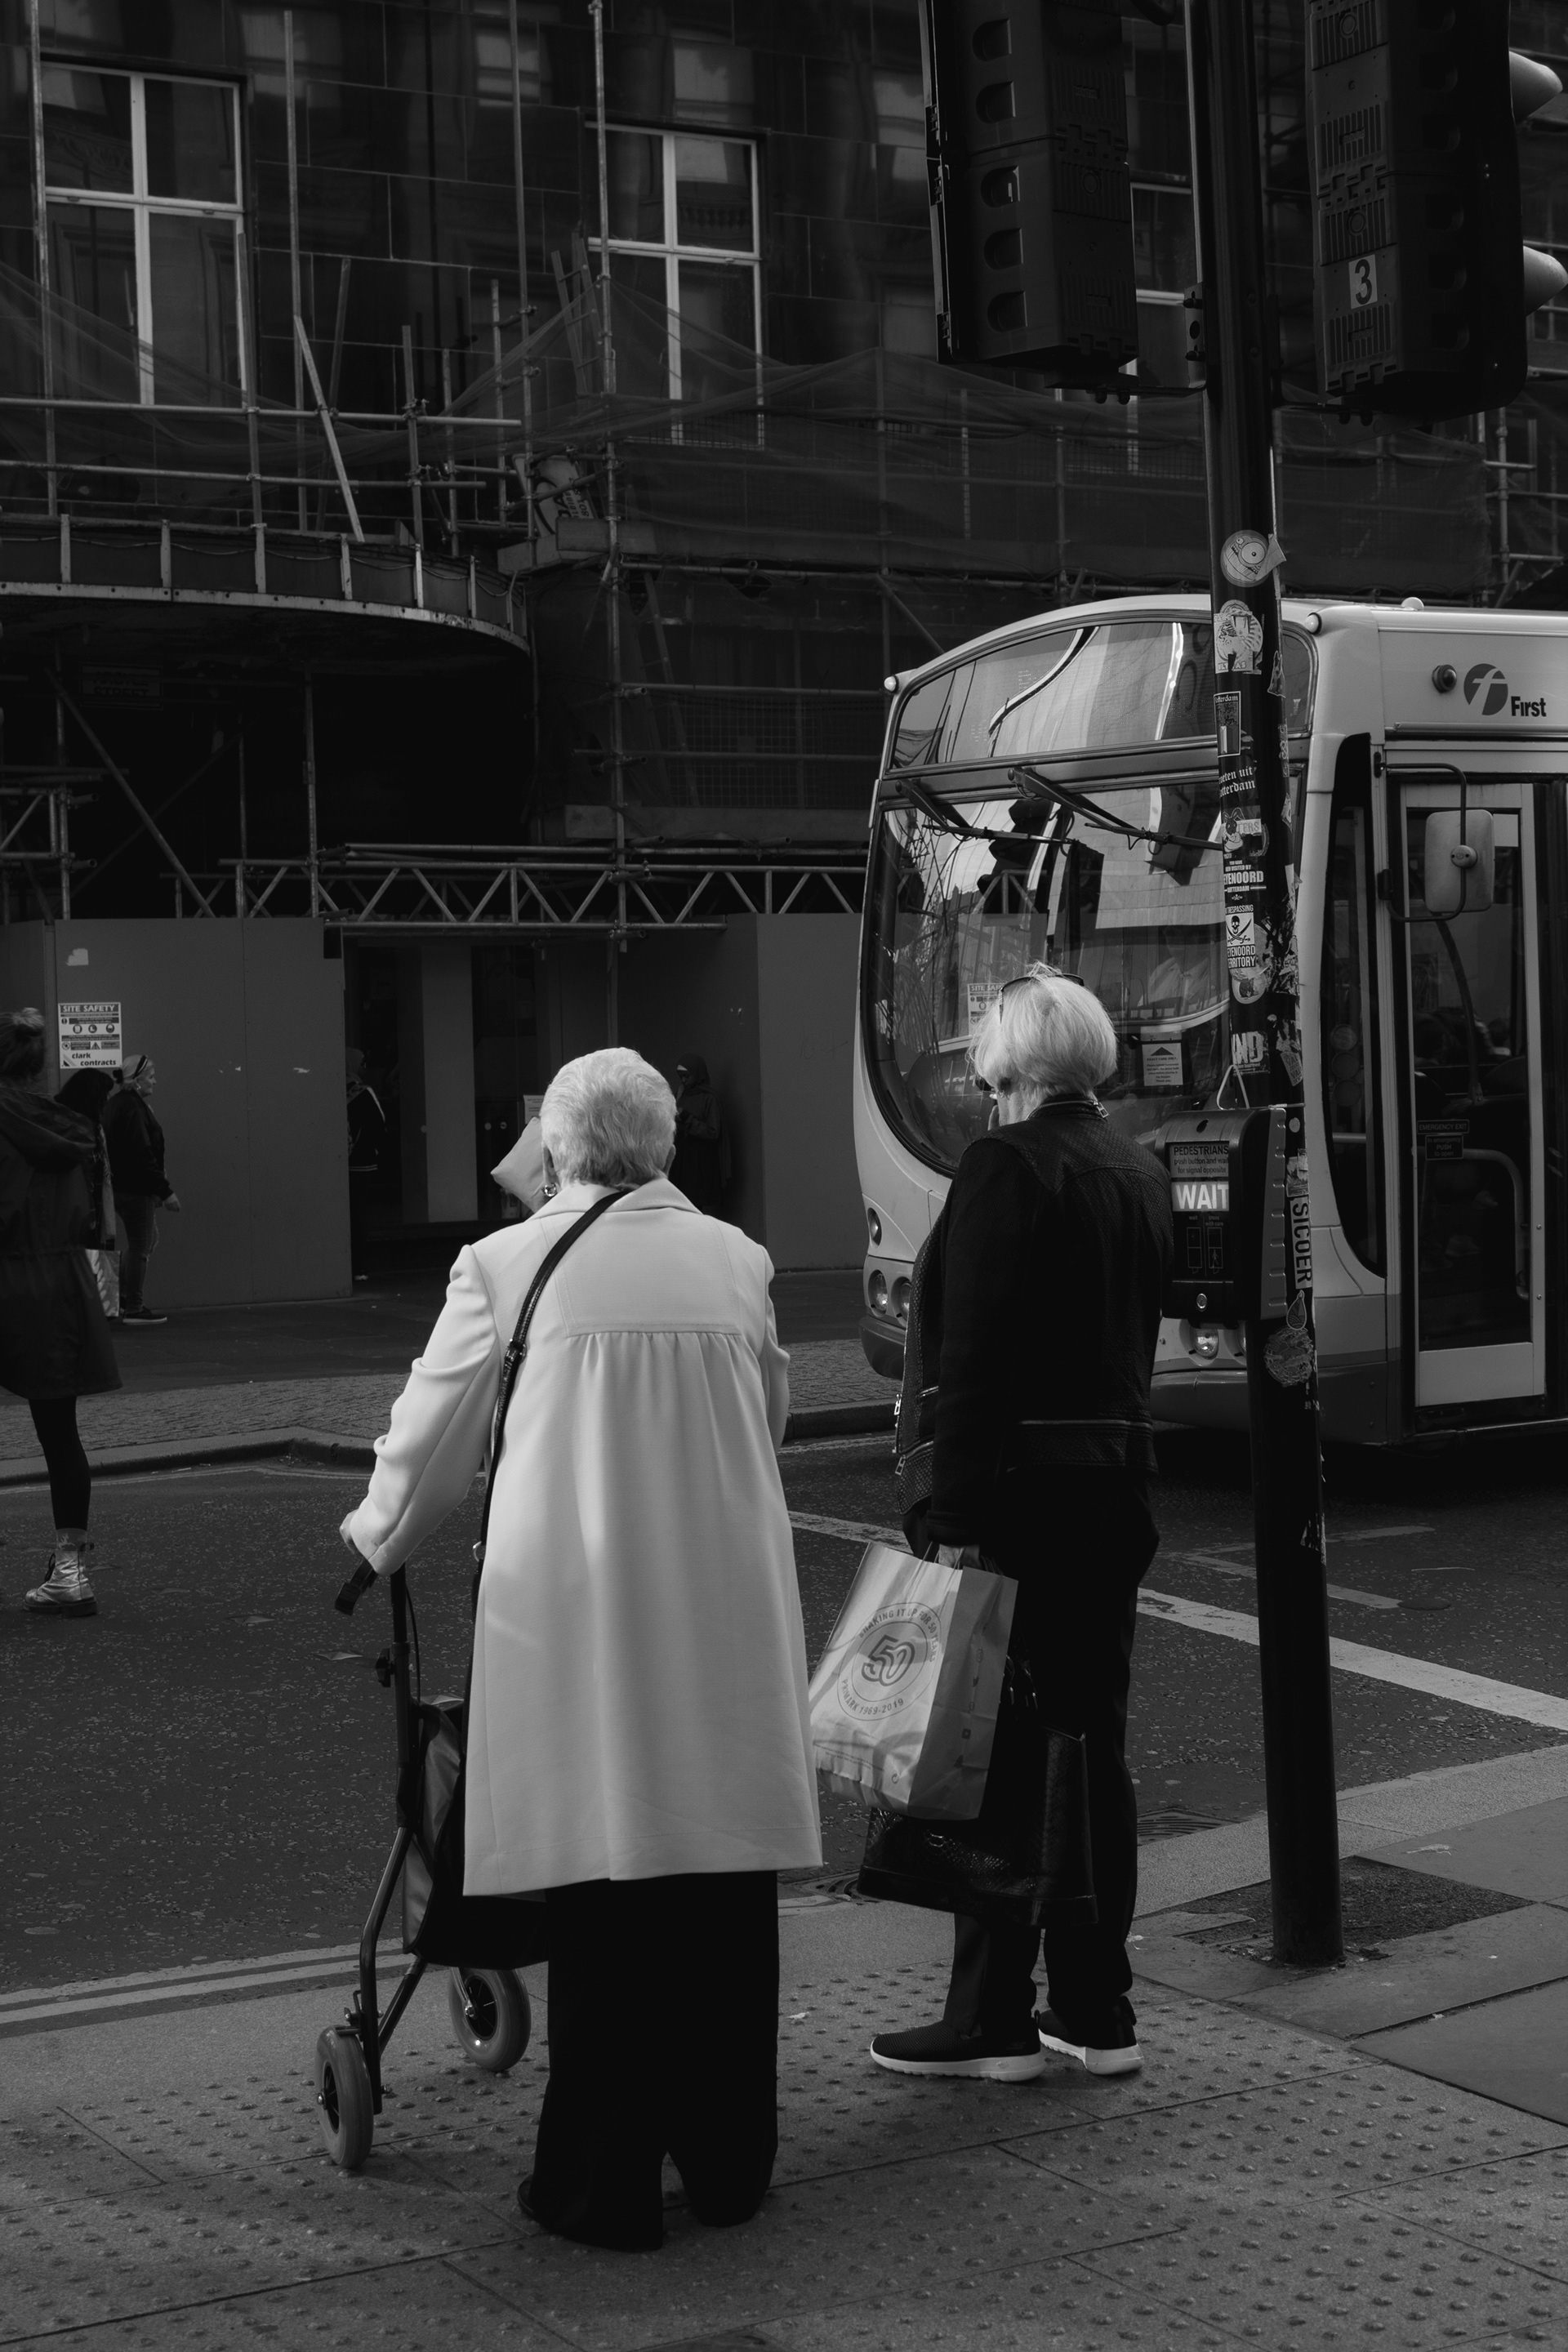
{"x":142,"y":1315}
{"x":1110,"y":2047}
{"x":943,"y":2049}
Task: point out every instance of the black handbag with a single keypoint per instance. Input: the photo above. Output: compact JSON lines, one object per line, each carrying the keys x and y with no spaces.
{"x":1026,"y":1861}
{"x":440,"y":1923}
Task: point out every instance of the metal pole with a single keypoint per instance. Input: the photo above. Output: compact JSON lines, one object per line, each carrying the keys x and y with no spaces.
{"x":46,"y":322}
{"x":296,"y":304}
{"x":522,"y":302}
{"x":612,"y":568}
{"x":596,"y":10}
{"x":244,"y":836}
{"x":315,"y":867}
{"x":411,"y":413}
{"x":501,"y":405}
{"x":1265,"y":1038}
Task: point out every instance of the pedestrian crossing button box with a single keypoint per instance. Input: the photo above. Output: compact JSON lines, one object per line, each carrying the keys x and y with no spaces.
{"x":1226,"y":1173}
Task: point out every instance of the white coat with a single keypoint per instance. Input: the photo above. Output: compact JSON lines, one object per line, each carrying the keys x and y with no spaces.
{"x":639,"y":1687}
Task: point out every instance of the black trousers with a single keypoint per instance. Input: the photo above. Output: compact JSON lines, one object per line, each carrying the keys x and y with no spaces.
{"x":1079,"y":1642}
{"x":664,"y":1997}
{"x":65,"y":1457}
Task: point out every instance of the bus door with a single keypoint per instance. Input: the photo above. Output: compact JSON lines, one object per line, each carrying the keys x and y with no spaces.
{"x":1474,"y":1174}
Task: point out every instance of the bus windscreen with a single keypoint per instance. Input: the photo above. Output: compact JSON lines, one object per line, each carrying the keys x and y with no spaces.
{"x":1098,"y":686}
{"x":1139,"y":921}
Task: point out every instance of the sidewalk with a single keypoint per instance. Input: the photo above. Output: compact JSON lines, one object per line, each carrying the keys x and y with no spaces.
{"x":139,"y":1426}
{"x":1311,"y":2159}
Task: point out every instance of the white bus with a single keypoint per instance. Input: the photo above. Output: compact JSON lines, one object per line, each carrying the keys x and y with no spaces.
{"x":1435,"y":1050}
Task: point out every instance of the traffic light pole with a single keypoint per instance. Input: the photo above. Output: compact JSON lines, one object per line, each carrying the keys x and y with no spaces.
{"x":1265,"y":985}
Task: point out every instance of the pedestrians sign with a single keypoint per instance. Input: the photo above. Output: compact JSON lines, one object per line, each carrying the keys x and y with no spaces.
{"x":91,"y":1038}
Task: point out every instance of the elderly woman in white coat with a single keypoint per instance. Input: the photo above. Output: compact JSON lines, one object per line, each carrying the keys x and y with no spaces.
{"x":639,"y":1745}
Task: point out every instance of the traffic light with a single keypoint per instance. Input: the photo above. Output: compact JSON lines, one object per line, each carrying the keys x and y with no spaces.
{"x":1031,"y":205}
{"x":1423,"y":279}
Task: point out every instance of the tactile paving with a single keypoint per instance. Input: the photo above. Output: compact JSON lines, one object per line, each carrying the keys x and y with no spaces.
{"x":1518,"y":2209}
{"x":907,"y":2226}
{"x":1255,"y":2180}
{"x":1337,"y":2277}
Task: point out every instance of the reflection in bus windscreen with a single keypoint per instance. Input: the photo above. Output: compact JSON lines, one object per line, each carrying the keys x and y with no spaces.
{"x":953,"y":919}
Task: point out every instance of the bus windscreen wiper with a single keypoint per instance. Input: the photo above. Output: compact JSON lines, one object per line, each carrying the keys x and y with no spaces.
{"x":1030,"y":782}
{"x":940,"y":813}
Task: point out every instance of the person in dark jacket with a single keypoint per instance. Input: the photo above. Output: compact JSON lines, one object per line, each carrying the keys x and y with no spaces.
{"x":701,"y":1166}
{"x":1039,"y":1304}
{"x":136,"y":1164}
{"x":54,"y":1340}
{"x":86,"y":1092}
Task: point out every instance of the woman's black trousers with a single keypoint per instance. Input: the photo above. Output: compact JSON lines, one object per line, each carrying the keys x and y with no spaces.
{"x":663,"y":1998}
{"x":65,"y":1457}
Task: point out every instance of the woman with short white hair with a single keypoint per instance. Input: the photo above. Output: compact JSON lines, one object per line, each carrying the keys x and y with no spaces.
{"x":1035,"y":1309}
{"x":639,"y":1745}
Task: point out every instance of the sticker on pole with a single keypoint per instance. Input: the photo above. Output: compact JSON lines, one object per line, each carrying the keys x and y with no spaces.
{"x":1237,"y":639}
{"x":1249,"y":557}
{"x":91,"y":1038}
{"x":1289,"y":1356}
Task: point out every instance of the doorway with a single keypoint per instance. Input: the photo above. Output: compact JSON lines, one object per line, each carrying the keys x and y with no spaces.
{"x":1475,"y":1174}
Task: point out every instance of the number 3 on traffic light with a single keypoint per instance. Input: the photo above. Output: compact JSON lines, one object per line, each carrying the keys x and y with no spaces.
{"x":1363,"y":281}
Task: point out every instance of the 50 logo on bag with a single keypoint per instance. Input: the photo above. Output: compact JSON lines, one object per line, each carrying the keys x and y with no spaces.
{"x":892,"y":1665}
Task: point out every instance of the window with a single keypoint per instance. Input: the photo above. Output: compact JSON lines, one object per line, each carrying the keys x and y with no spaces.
{"x":1349,"y":1041}
{"x":141,"y":181}
{"x":683,"y":236}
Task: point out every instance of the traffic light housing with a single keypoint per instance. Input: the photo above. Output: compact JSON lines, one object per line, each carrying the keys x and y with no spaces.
{"x":1031,"y":204}
{"x":1423,"y":279}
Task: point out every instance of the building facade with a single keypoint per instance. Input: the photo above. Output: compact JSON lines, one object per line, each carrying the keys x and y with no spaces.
{"x":371,"y":563}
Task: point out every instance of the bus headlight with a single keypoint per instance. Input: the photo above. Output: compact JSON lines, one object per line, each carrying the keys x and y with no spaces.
{"x":877,"y":1292}
{"x":1204,"y":1343}
{"x":901,"y":1298}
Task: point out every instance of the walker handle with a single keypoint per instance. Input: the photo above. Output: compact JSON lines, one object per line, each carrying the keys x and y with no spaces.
{"x":354,"y":1591}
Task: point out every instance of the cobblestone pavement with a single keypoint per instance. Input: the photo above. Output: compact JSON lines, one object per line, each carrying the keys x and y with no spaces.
{"x":821,"y":1372}
{"x":163,"y":2185}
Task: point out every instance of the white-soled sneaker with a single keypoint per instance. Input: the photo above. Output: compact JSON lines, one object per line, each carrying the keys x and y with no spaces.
{"x":1113,"y":2049}
{"x":942,"y":2050}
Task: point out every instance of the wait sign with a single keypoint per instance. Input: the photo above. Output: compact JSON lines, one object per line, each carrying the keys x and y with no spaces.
{"x":91,"y":1038}
{"x":1196,"y":1197}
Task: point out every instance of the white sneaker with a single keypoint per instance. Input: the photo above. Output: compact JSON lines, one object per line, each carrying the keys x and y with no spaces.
{"x":1114,"y":2051}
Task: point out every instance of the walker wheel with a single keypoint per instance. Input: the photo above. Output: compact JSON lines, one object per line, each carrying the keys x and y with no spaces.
{"x":490,"y":2015}
{"x":343,"y":2097}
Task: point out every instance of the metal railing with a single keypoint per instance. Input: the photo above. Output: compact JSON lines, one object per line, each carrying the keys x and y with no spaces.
{"x":518,"y":892}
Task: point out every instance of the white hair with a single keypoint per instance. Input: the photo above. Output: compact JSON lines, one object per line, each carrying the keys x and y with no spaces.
{"x":608,"y":1119}
{"x":1049,"y":1033}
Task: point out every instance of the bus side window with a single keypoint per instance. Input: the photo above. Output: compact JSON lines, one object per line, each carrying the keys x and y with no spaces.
{"x":1348,"y":1009}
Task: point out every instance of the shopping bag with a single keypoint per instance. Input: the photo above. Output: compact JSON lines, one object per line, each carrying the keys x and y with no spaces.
{"x":904,"y":1701}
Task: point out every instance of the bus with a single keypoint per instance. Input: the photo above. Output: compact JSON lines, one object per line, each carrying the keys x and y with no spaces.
{"x":1436,"y":1048}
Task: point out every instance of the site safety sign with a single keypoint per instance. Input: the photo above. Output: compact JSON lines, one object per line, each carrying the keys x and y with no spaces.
{"x":91,"y":1038}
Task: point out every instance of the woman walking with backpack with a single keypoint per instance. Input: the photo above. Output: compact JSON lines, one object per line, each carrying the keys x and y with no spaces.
{"x":54,"y":1337}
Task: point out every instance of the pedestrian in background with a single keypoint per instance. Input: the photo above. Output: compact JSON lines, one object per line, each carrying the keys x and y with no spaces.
{"x":367,"y":1134}
{"x":86,"y":1092}
{"x":701,"y":1167}
{"x":54,"y":1339}
{"x":638,"y":1742}
{"x":1038,"y":1305}
{"x":140,"y":1186}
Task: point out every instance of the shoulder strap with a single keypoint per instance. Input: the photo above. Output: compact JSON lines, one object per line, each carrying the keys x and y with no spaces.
{"x":511,"y":1362}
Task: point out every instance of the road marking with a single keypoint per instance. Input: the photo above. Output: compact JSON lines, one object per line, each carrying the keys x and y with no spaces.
{"x":1217,"y":1567}
{"x":1375,"y":1534}
{"x":851,"y":1530}
{"x":1510,"y":1699}
{"x":148,"y":1986}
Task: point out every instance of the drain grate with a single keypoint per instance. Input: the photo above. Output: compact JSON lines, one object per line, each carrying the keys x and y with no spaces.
{"x":1382,"y":1902}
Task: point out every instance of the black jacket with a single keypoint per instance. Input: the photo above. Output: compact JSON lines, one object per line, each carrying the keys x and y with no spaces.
{"x":1038,"y":1309}
{"x":135,"y":1143}
{"x":54,"y":1337}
